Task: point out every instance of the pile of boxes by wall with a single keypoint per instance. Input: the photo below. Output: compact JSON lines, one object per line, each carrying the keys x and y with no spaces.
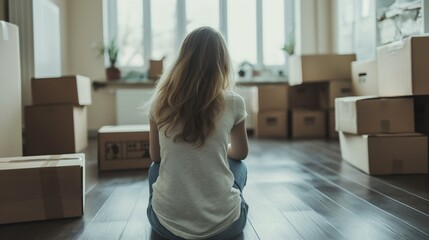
{"x":384,"y":129}
{"x":37,"y":187}
{"x":56,"y":123}
{"x":304,"y":108}
{"x":270,"y":103}
{"x":316,"y":81}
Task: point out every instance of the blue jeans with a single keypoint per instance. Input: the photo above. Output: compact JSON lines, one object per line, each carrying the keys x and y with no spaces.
{"x":239,"y":169}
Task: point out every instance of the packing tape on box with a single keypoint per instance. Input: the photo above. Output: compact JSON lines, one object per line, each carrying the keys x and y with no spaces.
{"x":5,"y":31}
{"x":51,"y":192}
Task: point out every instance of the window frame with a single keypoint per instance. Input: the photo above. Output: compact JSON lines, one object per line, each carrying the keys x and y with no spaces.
{"x":111,"y":26}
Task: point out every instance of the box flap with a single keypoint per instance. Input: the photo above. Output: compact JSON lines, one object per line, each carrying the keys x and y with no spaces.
{"x":43,"y":161}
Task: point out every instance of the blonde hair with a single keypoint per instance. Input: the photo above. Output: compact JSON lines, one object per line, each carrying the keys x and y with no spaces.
{"x":190,"y":96}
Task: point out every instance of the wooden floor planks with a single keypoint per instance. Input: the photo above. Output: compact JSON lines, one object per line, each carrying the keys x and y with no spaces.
{"x":295,"y":190}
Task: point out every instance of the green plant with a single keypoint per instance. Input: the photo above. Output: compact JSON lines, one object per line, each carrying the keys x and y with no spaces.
{"x":289,"y":46}
{"x":111,"y":50}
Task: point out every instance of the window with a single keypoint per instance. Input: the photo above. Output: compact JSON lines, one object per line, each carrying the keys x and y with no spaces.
{"x":130,"y":33}
{"x":202,"y":13}
{"x":273,"y":25}
{"x":152,"y":29}
{"x":242,"y":30}
{"x":163,"y":14}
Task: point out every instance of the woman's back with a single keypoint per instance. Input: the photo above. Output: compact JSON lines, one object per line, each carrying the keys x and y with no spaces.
{"x":200,"y":199}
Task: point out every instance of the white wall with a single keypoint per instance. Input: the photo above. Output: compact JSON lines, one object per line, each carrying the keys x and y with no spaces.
{"x":85,"y":27}
{"x":313,"y":26}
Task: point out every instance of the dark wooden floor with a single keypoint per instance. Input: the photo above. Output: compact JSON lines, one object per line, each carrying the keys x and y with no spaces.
{"x":296,"y":190}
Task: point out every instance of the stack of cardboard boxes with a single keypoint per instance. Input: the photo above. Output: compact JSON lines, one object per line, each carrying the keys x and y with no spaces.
{"x":385,"y":130}
{"x":56,"y":123}
{"x":270,"y":103}
{"x":316,"y":81}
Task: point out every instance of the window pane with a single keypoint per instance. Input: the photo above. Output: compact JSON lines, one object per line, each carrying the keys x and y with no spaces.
{"x":202,"y":13}
{"x":163,"y":15}
{"x":242,"y":30}
{"x":273,"y":32}
{"x":130,"y":33}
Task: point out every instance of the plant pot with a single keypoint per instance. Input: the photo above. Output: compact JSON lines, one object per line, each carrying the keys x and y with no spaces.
{"x":113,"y":73}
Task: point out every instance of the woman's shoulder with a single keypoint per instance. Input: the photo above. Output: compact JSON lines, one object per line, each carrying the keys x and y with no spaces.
{"x":233,"y":96}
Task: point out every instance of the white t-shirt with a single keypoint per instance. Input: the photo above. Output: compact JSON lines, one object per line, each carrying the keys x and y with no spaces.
{"x":193,"y":196}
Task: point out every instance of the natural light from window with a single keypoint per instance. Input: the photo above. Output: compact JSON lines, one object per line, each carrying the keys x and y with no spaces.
{"x":254,"y":34}
{"x":163,"y":29}
{"x":242,"y":30}
{"x":273,"y":32}
{"x":202,"y":13}
{"x":130,"y":33}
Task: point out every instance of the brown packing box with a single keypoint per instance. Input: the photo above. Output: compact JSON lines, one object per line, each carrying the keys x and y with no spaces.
{"x":271,"y":124}
{"x":368,"y":115}
{"x":307,"y":123}
{"x":332,"y":90}
{"x":386,"y":153}
{"x":42,"y":187}
{"x":365,"y":78}
{"x":155,"y":68}
{"x":421,"y":114}
{"x":320,"y":67}
{"x":74,"y":90}
{"x":305,"y":95}
{"x":332,"y":133}
{"x":270,"y":97}
{"x":123,"y":147}
{"x":403,"y":67}
{"x":55,"y":129}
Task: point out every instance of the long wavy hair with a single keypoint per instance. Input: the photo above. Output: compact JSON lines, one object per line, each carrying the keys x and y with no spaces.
{"x":190,"y":96}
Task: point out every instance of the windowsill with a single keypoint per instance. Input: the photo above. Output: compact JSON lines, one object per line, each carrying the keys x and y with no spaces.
{"x":148,"y":83}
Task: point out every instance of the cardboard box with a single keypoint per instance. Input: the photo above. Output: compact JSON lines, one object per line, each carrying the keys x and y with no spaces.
{"x":365,"y":78}
{"x":270,"y":97}
{"x":74,"y":90}
{"x":386,"y":153}
{"x":372,"y":115}
{"x":332,"y":133}
{"x":271,"y":124}
{"x":332,"y":90}
{"x":308,"y":123}
{"x":55,"y":129}
{"x":320,"y":67}
{"x":155,"y":68}
{"x":421,"y":114}
{"x":305,"y":95}
{"x":402,"y":67}
{"x":123,"y":147}
{"x":42,"y":187}
{"x":10,"y":92}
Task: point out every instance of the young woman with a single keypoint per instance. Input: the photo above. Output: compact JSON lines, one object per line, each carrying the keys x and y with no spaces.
{"x":197,"y":141}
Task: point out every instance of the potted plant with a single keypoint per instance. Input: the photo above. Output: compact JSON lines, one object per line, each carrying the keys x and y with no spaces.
{"x":111,"y":50}
{"x":289,"y":46}
{"x":244,"y":67}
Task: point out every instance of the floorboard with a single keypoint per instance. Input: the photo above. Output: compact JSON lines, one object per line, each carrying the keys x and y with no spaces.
{"x":295,"y":190}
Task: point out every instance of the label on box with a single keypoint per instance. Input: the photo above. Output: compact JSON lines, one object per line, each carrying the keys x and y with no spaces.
{"x":125,"y":150}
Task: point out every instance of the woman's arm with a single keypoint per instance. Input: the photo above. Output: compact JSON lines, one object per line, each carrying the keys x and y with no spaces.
{"x":154,"y":149}
{"x":238,"y":148}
